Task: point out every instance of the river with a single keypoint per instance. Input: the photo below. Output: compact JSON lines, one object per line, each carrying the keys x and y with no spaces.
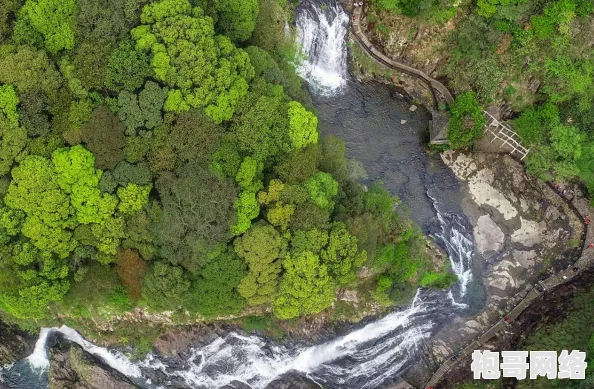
{"x":388,"y":139}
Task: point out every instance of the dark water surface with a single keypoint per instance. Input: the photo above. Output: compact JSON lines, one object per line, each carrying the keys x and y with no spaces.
{"x":367,"y":116}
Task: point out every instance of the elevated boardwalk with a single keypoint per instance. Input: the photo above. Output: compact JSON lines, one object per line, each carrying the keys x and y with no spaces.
{"x":582,"y":207}
{"x":437,"y":128}
{"x":438,"y":90}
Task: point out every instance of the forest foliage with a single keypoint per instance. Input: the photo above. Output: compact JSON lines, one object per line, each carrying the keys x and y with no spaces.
{"x":531,"y":56}
{"x":165,"y":155}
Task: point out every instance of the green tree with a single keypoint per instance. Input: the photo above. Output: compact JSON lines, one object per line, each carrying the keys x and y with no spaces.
{"x":269,"y":32}
{"x":127,"y":68}
{"x":77,"y":177}
{"x":299,"y":165}
{"x":466,"y":121}
{"x":215,"y":290}
{"x":104,"y":135}
{"x":194,"y":136}
{"x":8,"y":103}
{"x":342,"y":255}
{"x":261,"y":128}
{"x":236,"y":18}
{"x":305,"y":287}
{"x":313,"y":241}
{"x":263,"y":249}
{"x":165,"y":287}
{"x":567,"y":141}
{"x":322,"y":188}
{"x":488,"y":8}
{"x":28,"y":69}
{"x":30,"y":302}
{"x":143,"y":110}
{"x":35,"y":191}
{"x":249,"y":176}
{"x":303,"y":126}
{"x":133,"y":197}
{"x":247,"y":209}
{"x":203,"y":70}
{"x":13,"y":140}
{"x":34,"y":111}
{"x":54,"y":19}
{"x":197,"y":214}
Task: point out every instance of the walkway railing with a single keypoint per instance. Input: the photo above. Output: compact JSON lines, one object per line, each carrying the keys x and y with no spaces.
{"x":582,"y":207}
{"x":504,"y":133}
{"x":379,"y":57}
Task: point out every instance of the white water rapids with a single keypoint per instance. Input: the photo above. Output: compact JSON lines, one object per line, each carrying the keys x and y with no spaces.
{"x":254,"y":361}
{"x":366,"y":358}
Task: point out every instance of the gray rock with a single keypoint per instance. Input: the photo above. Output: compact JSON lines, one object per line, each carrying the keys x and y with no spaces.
{"x":74,"y":369}
{"x":487,"y":235}
{"x":14,"y":344}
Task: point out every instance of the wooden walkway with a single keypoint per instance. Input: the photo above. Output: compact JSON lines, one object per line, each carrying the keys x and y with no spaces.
{"x":506,"y":135}
{"x":582,"y":207}
{"x":437,"y":88}
{"x":498,"y":130}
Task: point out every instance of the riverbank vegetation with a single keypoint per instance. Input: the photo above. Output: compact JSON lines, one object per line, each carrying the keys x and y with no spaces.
{"x":533,"y":57}
{"x":166,"y":156}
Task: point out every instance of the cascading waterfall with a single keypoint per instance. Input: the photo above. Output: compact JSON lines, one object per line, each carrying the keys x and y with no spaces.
{"x":321,"y":30}
{"x":366,"y":358}
{"x":455,"y":237}
{"x":363,"y":359}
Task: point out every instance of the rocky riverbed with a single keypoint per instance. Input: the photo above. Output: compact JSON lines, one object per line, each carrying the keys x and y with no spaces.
{"x":523,"y":232}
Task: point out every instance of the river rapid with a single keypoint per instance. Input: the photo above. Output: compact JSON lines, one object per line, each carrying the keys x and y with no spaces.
{"x":389,"y":140}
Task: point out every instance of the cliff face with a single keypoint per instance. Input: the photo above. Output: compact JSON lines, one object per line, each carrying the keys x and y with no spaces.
{"x":14,"y":344}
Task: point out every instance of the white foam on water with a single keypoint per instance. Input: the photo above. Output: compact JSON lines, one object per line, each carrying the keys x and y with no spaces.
{"x":252,"y":360}
{"x":454,"y":302}
{"x":321,"y":39}
{"x":117,"y":361}
{"x":39,"y":359}
{"x":459,"y":247}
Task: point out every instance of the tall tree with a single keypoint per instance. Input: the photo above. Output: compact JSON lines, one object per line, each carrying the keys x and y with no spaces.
{"x":237,"y":18}
{"x":263,"y":249}
{"x":202,"y":69}
{"x":305,"y":287}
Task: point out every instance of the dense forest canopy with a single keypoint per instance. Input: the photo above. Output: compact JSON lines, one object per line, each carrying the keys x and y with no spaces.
{"x":165,"y":155}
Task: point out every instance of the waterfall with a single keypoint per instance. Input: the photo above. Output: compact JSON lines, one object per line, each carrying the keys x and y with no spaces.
{"x":321,"y":31}
{"x":362,"y":359}
{"x":366,"y":358}
{"x":39,"y":360}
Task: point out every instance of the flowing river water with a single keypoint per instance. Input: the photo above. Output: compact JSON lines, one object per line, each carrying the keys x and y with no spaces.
{"x":388,"y":139}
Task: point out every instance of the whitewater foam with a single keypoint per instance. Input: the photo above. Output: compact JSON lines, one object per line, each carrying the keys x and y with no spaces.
{"x":39,"y":359}
{"x":321,"y":34}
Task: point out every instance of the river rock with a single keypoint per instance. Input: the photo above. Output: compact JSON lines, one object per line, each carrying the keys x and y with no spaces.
{"x":523,"y":231}
{"x":74,"y":369}
{"x":293,"y":380}
{"x":177,"y":341}
{"x":14,"y":344}
{"x":487,"y":235}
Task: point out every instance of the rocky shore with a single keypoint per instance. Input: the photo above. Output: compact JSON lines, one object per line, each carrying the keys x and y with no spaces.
{"x":15,"y":344}
{"x":523,"y":232}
